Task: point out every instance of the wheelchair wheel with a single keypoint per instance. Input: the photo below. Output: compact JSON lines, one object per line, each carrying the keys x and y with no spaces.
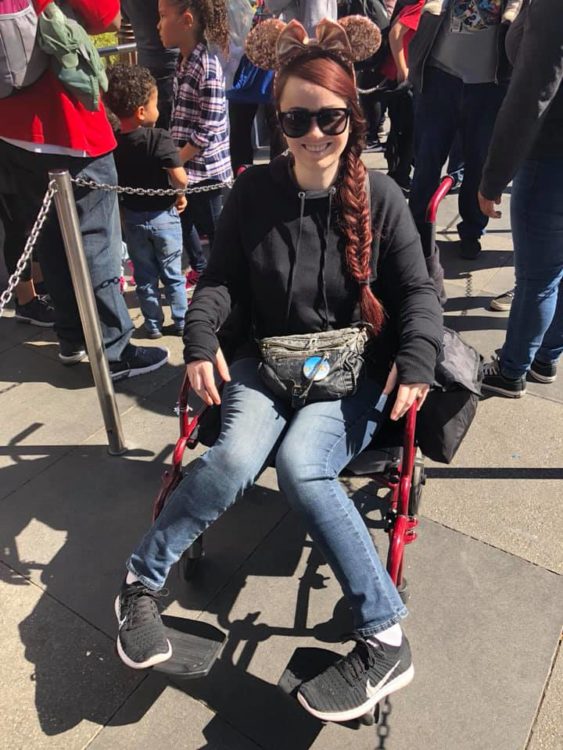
{"x":189,"y":562}
{"x":418,"y":482}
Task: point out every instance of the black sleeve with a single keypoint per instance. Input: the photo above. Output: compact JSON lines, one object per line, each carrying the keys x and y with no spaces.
{"x":536,"y":79}
{"x":223,"y":283}
{"x":164,"y":150}
{"x":407,"y":292}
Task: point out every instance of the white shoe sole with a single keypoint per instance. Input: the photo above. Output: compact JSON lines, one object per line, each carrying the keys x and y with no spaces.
{"x":355,"y":713}
{"x":140,"y":370}
{"x":502,"y":391}
{"x":156,"y":659}
{"x":72,"y":359}
{"x":32,"y":321}
{"x":546,"y":379}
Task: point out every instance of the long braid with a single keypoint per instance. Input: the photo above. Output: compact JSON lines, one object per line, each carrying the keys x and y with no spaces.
{"x":356,"y":227}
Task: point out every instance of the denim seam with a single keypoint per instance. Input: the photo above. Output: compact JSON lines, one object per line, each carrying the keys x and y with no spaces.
{"x":347,"y":511}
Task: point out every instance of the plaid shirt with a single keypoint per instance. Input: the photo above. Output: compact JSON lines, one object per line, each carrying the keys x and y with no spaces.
{"x":199,"y":116}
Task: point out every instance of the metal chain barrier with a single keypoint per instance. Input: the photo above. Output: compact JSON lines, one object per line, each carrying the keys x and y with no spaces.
{"x":14,"y":279}
{"x":148,"y":191}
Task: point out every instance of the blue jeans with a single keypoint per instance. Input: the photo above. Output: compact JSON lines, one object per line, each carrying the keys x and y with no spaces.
{"x":203,"y":212}
{"x":446,"y":106}
{"x":143,"y":15}
{"x":154,"y":240}
{"x":24,"y":176}
{"x":535,"y":324}
{"x":313,"y":445}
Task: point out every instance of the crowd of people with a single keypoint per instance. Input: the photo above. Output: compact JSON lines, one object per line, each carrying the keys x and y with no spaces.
{"x":310,"y":243}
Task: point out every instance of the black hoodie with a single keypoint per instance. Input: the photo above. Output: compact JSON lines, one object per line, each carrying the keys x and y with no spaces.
{"x":278,"y":257}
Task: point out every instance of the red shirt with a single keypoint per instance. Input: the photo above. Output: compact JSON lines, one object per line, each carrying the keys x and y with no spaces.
{"x":48,"y":113}
{"x":409,"y":16}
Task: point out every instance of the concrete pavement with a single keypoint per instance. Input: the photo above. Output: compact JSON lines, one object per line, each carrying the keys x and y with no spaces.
{"x":486,"y":604}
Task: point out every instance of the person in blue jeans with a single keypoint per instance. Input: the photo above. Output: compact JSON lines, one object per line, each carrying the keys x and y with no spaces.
{"x":302,"y":248}
{"x":151,"y":54}
{"x":146,"y":157}
{"x":527,"y":144}
{"x":459,"y":70}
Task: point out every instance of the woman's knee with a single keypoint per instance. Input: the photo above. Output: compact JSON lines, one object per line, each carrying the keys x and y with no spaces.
{"x":296,"y":466}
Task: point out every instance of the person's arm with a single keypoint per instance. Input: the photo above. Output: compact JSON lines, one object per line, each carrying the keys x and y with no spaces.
{"x":536,"y":79}
{"x":397,"y":35}
{"x":211,"y":114}
{"x":223,"y":283}
{"x":178,"y":178}
{"x":407,"y":292}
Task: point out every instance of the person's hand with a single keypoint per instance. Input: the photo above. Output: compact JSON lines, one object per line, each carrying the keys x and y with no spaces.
{"x":407,"y":394}
{"x":202,"y":379}
{"x":181,"y":203}
{"x":488,"y":207}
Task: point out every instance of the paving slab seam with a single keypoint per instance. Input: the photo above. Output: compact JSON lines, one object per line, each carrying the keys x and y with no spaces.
{"x":41,"y":471}
{"x":493,"y":546}
{"x":544,"y":692}
{"x":117,"y":710}
{"x":46,"y":592}
{"x":242,"y":564}
{"x":10,"y":388}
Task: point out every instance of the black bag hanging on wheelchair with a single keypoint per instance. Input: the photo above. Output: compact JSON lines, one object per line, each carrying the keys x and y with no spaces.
{"x":451,"y":404}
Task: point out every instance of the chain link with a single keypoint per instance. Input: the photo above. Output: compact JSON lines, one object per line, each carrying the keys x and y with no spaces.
{"x":14,"y":279}
{"x":148,"y":191}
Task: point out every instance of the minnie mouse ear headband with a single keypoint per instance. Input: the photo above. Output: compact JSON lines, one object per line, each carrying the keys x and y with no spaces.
{"x":272,"y":44}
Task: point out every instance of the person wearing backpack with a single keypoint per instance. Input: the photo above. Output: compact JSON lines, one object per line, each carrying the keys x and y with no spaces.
{"x":46,"y":126}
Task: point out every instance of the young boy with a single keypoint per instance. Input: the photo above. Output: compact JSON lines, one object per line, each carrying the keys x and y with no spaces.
{"x":146,"y":157}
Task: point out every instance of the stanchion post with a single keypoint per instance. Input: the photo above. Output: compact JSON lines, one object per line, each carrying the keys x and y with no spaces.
{"x":82,"y":283}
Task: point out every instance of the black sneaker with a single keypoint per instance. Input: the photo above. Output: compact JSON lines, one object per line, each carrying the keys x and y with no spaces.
{"x":138,"y":360}
{"x":355,"y":684}
{"x":71,"y":354}
{"x":502,"y":302}
{"x":153,"y":333}
{"x":173,"y":329}
{"x":141,"y":640}
{"x":38,"y":312}
{"x":495,"y":382}
{"x":543,"y":372}
{"x":374,"y":147}
{"x":470,"y":249}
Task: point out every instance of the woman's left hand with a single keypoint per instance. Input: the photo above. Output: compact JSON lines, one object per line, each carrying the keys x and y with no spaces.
{"x":407,"y":394}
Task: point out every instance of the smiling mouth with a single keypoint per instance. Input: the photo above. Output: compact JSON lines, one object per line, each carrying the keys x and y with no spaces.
{"x":317,"y":149}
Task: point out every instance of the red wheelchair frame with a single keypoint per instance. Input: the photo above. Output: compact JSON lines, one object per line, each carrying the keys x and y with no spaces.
{"x":403,"y":476}
{"x":400,"y":520}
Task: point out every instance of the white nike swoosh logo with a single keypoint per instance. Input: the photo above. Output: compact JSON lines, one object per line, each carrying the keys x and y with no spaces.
{"x":372,"y":690}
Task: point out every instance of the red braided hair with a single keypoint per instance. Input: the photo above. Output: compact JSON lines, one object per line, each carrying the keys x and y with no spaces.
{"x":354,"y":217}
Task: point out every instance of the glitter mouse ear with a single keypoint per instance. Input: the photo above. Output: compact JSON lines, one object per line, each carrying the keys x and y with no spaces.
{"x":261,"y":43}
{"x":364,"y":36}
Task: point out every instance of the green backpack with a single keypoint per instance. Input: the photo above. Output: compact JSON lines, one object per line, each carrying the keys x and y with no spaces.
{"x":74,"y":58}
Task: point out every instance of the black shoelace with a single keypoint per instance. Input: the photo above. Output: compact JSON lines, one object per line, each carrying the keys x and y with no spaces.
{"x":139,"y":605}
{"x":353,"y":666}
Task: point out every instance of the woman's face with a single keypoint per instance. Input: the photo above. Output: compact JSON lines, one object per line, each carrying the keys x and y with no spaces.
{"x":315,"y":150}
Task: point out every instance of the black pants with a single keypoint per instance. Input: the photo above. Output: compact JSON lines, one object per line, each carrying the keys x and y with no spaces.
{"x":241,"y":117}
{"x":15,"y":234}
{"x":23,"y":182}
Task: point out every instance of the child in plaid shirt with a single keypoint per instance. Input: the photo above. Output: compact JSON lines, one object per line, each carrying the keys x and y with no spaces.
{"x":199,"y":124}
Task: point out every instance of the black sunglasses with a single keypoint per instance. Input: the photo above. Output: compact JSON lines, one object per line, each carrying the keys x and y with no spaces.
{"x":297,"y":122}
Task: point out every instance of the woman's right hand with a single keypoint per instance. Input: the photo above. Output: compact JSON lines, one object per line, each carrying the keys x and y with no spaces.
{"x":202,"y":378}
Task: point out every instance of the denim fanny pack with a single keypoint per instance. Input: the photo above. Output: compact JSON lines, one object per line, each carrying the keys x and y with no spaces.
{"x":323,"y":366}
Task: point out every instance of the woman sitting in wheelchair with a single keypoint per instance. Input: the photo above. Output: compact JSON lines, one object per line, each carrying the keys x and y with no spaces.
{"x":325,"y":261}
